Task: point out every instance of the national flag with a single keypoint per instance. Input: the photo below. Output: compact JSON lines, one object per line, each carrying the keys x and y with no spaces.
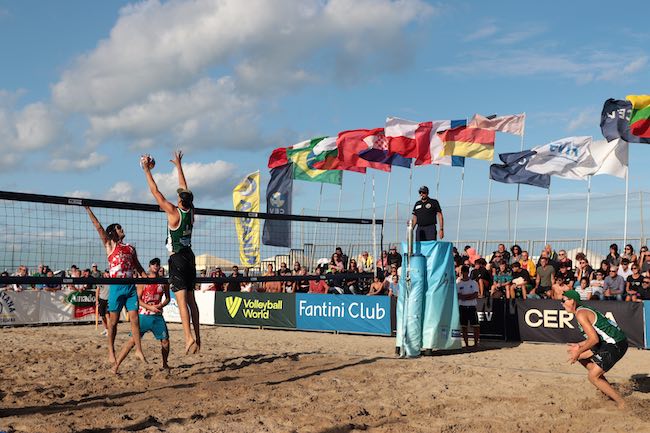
{"x":325,"y":157}
{"x":470,"y":142}
{"x":513,"y":124}
{"x":615,"y":121}
{"x":278,"y":157}
{"x":299,"y":155}
{"x":351,"y":143}
{"x":434,"y":153}
{"x":378,"y":151}
{"x":406,"y":137}
{"x":610,"y":158}
{"x":568,"y":157}
{"x":278,"y":202}
{"x":513,"y":170}
{"x":640,"y":119}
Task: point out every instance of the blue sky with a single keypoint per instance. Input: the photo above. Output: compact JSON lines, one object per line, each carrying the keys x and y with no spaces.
{"x":86,"y":87}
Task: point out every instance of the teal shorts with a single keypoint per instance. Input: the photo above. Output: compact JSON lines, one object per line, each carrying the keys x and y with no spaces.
{"x":122,"y":295}
{"x":154,"y":323}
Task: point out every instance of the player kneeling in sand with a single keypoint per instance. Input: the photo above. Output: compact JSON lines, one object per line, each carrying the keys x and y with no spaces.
{"x":604,"y":346}
{"x":150,"y":315}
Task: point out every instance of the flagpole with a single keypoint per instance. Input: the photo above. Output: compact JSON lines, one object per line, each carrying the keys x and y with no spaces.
{"x":320,"y":198}
{"x":438,"y":182}
{"x":587,"y":217}
{"x":386,"y":204}
{"x":548,"y":207}
{"x":460,"y":204}
{"x":397,"y":221}
{"x":487,"y":215}
{"x":410,"y":185}
{"x":521,"y":149}
{"x":627,"y":194}
{"x":338,"y":212}
{"x":374,"y":226}
{"x":363,"y":199}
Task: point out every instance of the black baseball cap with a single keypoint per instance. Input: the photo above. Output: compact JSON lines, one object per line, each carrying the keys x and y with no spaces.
{"x":424,"y":189}
{"x":154,"y":261}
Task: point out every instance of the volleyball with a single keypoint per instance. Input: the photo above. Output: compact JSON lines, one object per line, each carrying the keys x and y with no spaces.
{"x":147,"y":159}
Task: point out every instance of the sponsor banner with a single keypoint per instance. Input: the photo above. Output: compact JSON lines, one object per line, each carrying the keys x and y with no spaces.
{"x":205,"y":302}
{"x":83,"y":304}
{"x":277,"y":310}
{"x":17,"y":308}
{"x":491,"y":317}
{"x":345,"y":313}
{"x":546,"y":320}
{"x":646,"y":306}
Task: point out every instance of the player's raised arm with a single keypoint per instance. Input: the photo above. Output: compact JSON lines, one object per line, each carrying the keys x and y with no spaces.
{"x":178,"y":156}
{"x":98,"y":226}
{"x":165,"y":205}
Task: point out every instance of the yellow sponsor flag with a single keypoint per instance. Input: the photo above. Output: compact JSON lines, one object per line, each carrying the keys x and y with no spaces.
{"x":246,"y":198}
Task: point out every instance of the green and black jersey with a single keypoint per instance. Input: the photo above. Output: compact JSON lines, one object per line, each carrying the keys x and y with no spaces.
{"x":607,"y":330}
{"x":181,"y":237}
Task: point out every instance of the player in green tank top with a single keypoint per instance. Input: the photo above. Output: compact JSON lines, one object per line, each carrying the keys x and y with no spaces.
{"x":605,"y":344}
{"x":182,"y":266}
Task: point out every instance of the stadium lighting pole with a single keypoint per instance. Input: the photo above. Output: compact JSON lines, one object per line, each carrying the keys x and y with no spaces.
{"x":587,"y":217}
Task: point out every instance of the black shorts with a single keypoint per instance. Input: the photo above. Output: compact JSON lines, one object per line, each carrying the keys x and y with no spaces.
{"x":426,"y":233}
{"x":607,"y":354}
{"x":468,"y":315}
{"x":102,"y":307}
{"x":182,"y":270}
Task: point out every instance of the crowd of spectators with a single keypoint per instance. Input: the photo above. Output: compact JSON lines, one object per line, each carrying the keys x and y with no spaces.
{"x":384,"y":282}
{"x":512,"y":273}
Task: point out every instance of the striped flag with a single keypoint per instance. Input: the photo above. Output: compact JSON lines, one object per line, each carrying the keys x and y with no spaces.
{"x":470,"y":142}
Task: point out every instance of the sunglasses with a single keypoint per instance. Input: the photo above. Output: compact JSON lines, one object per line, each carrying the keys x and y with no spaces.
{"x":646,"y":282}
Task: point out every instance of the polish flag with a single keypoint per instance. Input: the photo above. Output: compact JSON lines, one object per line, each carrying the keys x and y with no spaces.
{"x":407,"y":138}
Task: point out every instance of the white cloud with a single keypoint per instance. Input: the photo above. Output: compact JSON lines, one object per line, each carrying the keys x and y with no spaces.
{"x":594,"y":66}
{"x":521,"y":35}
{"x":207,"y":181}
{"x":584,"y":119}
{"x":121,"y":191}
{"x":93,"y":160}
{"x":155,"y":46}
{"x":79,"y":193}
{"x":482,"y":33}
{"x":210,"y":112}
{"x":35,"y":126}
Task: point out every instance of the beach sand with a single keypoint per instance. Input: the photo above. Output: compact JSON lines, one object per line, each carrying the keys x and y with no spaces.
{"x":56,"y":379}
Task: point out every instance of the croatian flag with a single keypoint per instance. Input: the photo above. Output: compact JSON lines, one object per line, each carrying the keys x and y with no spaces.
{"x":378,"y":151}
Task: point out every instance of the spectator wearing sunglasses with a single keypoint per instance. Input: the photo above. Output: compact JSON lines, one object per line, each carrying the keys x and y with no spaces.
{"x":644,"y":292}
{"x":614,"y":285}
{"x":634,"y":284}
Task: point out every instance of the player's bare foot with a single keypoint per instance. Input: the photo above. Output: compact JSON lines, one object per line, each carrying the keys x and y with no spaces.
{"x":111,"y":359}
{"x":192,"y":347}
{"x":141,"y":357}
{"x":115,"y":367}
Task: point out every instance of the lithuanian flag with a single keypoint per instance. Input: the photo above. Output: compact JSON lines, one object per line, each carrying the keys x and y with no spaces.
{"x":640,"y":119}
{"x":470,"y":142}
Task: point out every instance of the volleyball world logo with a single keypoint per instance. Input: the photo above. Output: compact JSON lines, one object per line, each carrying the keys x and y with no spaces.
{"x":232,"y":305}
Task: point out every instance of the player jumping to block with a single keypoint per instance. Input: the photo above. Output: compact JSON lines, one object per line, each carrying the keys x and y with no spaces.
{"x":182,"y":265}
{"x":604,"y":346}
{"x":150,"y":299}
{"x":123,"y":263}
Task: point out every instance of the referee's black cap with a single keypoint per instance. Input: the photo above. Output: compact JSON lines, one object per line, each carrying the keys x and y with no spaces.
{"x":424,"y":189}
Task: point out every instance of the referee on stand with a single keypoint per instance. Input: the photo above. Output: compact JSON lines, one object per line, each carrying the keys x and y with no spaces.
{"x":425,"y":212}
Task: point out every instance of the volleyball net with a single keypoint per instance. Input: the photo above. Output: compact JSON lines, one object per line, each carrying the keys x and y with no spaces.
{"x":57,"y":232}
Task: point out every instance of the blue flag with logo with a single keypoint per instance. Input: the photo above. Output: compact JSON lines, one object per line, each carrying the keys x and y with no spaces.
{"x":278,"y":202}
{"x":615,"y":121}
{"x":513,"y":170}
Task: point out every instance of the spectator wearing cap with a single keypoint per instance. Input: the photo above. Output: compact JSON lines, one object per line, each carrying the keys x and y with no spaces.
{"x":425,"y":213}
{"x":565,"y":274}
{"x":521,"y":282}
{"x":394,"y":258}
{"x":482,"y":276}
{"x":644,"y":292}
